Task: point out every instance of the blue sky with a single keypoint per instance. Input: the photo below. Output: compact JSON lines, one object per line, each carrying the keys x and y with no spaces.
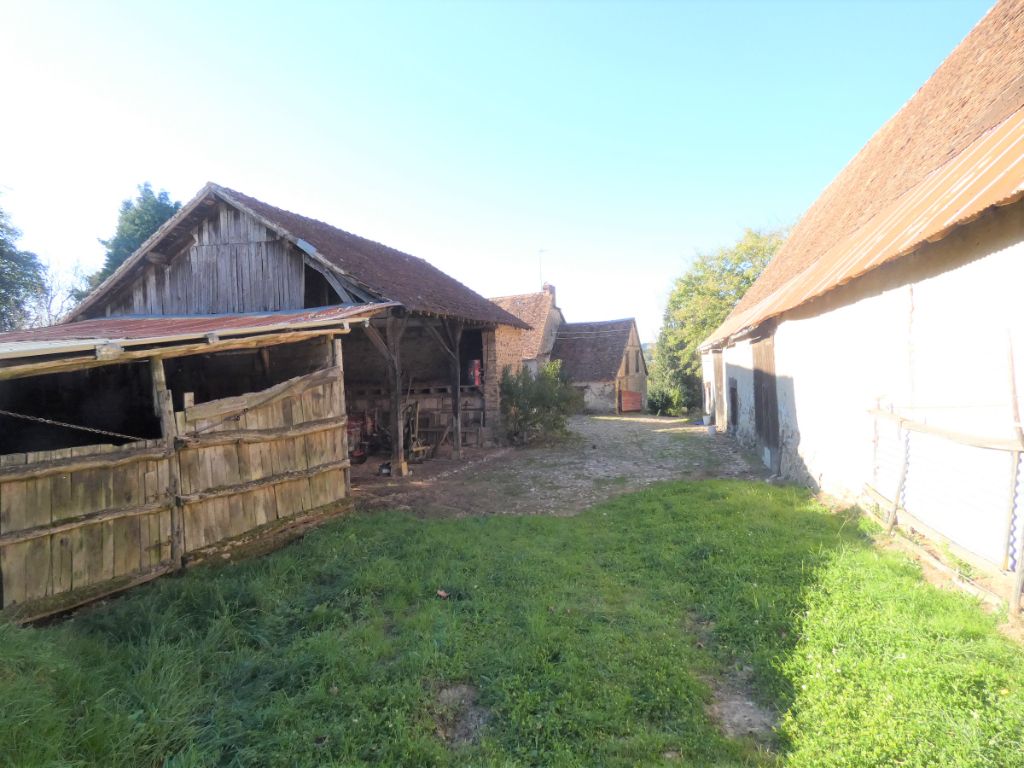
{"x":595,"y":145}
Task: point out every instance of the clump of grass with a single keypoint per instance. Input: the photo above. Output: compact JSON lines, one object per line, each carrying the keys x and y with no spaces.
{"x":576,"y":634}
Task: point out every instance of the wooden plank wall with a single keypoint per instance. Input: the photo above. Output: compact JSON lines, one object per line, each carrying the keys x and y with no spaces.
{"x":249,"y":460}
{"x":235,"y":265}
{"x":82,"y":516}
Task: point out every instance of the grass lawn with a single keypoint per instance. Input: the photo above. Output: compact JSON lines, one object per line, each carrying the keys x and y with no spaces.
{"x":586,"y":641}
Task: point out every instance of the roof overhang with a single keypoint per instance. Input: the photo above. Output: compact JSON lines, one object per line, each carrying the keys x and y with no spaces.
{"x":122,"y":339}
{"x":989,"y":173}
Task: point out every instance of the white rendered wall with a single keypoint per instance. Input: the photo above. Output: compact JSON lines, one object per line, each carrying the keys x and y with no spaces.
{"x":931,"y":347}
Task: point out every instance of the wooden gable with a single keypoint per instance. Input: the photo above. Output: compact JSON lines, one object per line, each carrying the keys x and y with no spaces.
{"x":231,"y":263}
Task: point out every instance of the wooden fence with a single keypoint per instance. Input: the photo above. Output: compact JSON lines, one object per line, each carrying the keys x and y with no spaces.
{"x":81,"y":521}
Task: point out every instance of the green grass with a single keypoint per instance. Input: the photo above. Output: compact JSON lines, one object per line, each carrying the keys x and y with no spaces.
{"x":589,"y":640}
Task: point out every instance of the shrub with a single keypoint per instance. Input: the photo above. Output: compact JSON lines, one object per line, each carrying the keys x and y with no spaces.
{"x":536,"y":404}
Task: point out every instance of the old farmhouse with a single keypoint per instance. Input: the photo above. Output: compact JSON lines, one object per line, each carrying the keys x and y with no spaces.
{"x":881,"y":354}
{"x":604,"y":360}
{"x":220,"y":383}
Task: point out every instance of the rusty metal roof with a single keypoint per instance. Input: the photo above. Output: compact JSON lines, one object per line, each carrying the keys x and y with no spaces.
{"x":954,"y":150}
{"x":136,"y":330}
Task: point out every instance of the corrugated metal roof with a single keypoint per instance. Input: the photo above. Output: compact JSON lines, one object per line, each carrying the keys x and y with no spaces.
{"x":143,"y":330}
{"x":990,"y":172}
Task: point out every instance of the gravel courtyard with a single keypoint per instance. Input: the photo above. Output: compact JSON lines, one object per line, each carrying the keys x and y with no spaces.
{"x":604,"y":456}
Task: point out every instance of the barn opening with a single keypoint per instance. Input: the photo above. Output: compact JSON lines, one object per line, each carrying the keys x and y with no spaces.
{"x":317,"y":292}
{"x":112,"y":398}
{"x":237,"y":372}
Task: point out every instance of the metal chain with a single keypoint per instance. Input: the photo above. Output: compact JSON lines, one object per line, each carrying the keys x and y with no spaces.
{"x":64,"y":424}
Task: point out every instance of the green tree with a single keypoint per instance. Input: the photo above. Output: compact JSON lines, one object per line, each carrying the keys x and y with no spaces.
{"x":700,"y":300}
{"x":136,"y":221}
{"x":537,"y":404}
{"x":21,"y":278}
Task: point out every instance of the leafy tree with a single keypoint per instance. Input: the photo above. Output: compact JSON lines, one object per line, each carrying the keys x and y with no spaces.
{"x":700,"y":300}
{"x":137,"y":220}
{"x":537,"y":404}
{"x":21,"y":278}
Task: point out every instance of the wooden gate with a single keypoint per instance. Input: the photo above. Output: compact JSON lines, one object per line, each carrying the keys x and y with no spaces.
{"x":95,"y":519}
{"x":246,"y":461}
{"x":83,"y":517}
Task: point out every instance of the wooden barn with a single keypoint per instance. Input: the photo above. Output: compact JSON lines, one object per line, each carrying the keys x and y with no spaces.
{"x":214,"y":388}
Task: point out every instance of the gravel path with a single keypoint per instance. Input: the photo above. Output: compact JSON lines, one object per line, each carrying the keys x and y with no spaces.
{"x":604,"y":456}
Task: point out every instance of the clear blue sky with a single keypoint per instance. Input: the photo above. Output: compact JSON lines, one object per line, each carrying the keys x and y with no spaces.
{"x":609,"y":141}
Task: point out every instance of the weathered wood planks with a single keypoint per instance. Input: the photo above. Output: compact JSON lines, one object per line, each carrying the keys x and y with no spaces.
{"x":91,"y":514}
{"x":80,"y":518}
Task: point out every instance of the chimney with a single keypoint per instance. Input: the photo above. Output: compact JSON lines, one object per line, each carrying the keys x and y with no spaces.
{"x":549,"y":288}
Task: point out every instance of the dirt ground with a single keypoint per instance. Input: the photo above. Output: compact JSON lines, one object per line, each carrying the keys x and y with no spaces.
{"x":604,"y":456}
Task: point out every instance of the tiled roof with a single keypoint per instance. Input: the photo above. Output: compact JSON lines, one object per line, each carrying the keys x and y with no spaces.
{"x":380,"y":271}
{"x":951,"y":152}
{"x":592,"y":351}
{"x":533,"y":309}
{"x":392,"y":274}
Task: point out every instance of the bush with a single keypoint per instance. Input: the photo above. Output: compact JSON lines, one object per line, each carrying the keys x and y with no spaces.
{"x":537,"y":404}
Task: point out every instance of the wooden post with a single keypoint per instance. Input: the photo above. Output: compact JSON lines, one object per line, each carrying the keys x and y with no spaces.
{"x":169,"y":430}
{"x":449,"y":338}
{"x":339,"y":363}
{"x":455,"y":334}
{"x":395,"y":329}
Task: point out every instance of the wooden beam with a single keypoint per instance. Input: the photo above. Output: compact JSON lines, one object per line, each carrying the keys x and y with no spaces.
{"x":208,"y":439}
{"x":379,"y":344}
{"x":80,"y":463}
{"x":128,"y":355}
{"x":339,"y":365}
{"x":169,"y":431}
{"x":395,"y":329}
{"x":454,"y":331}
{"x":253,"y":485}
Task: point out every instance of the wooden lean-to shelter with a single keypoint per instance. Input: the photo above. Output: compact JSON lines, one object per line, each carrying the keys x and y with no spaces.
{"x":199,"y":394}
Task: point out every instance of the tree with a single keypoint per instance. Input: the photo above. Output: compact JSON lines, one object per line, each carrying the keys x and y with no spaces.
{"x":21,"y":278}
{"x":700,"y":300}
{"x":137,"y":220}
{"x":537,"y":404}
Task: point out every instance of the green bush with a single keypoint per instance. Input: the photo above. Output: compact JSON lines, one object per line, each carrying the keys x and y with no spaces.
{"x":537,"y":404}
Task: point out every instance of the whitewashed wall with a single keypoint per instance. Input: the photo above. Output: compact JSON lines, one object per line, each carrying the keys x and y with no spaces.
{"x":927,"y":338}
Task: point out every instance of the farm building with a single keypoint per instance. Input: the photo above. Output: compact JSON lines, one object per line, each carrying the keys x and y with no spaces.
{"x":528,"y":346}
{"x":606,"y":362}
{"x":214,"y":385}
{"x":604,"y":359}
{"x":880,"y":355}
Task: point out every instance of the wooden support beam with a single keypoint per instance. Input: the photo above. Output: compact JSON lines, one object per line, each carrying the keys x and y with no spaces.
{"x":169,"y":431}
{"x":338,"y":361}
{"x":448,"y":335}
{"x":80,"y":362}
{"x":395,"y":329}
{"x":455,"y":333}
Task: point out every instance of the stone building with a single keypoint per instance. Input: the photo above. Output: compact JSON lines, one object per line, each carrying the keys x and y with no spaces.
{"x":879,"y":356}
{"x":531,"y":346}
{"x":606,"y":362}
